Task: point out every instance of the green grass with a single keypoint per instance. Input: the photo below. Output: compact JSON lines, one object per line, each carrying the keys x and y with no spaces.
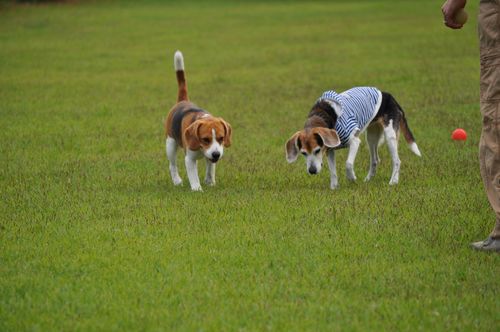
{"x":94,"y":236}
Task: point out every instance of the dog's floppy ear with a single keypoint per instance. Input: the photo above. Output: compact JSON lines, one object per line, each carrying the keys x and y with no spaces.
{"x":329,"y":137}
{"x":191,"y":135}
{"x":228,"y":133}
{"x":292,"y":148}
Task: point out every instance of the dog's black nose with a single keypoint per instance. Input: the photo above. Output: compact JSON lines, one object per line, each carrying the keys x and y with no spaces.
{"x":313,"y":170}
{"x":216,"y":155}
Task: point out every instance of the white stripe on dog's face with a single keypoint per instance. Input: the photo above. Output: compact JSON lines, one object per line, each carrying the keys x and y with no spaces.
{"x":314,"y":160}
{"x":215,"y":150}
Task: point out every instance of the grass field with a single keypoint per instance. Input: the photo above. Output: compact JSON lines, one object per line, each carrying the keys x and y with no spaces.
{"x":94,"y":236}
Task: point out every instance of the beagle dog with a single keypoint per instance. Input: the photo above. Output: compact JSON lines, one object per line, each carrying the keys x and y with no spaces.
{"x":200,"y":134}
{"x":336,"y":121}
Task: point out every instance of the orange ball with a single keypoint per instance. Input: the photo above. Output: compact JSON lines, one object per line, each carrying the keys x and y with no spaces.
{"x":459,"y":135}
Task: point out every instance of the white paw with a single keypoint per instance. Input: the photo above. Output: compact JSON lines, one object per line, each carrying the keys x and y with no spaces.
{"x":350,"y":175}
{"x":196,"y":188}
{"x":393,"y":182}
{"x":368,"y":177}
{"x":210,"y":182}
{"x":334,"y":186}
{"x":177,"y":181}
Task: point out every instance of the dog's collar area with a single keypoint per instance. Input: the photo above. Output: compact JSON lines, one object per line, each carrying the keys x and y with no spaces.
{"x":177,"y":121}
{"x":327,"y":113}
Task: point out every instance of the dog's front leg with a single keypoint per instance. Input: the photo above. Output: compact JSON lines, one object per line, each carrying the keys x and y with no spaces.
{"x":210,"y":175}
{"x":192,"y":170}
{"x":351,"y":157}
{"x":334,"y":183}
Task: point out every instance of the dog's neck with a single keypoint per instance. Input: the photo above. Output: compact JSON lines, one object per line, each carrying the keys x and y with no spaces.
{"x":315,"y":121}
{"x":321,"y":115}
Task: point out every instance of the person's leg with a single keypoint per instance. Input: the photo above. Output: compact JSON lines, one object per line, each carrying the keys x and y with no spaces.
{"x":489,"y":157}
{"x":489,"y":149}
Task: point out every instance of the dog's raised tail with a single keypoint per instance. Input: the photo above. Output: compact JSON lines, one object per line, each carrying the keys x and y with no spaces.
{"x":403,"y":125}
{"x":410,"y":139}
{"x":181,"y":76}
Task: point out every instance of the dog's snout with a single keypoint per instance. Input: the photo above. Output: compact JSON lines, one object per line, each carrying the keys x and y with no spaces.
{"x":313,"y":170}
{"x":216,"y":155}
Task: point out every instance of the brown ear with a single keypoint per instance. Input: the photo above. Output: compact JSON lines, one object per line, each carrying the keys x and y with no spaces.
{"x":191,"y":136}
{"x":329,"y":136}
{"x":228,"y":133}
{"x":292,"y":148}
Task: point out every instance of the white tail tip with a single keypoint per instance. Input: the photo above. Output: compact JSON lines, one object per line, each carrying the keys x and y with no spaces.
{"x":178,"y":61}
{"x":414,"y":149}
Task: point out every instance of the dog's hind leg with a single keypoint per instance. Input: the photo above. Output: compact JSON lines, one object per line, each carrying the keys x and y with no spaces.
{"x":334,"y":183}
{"x":171,"y":146}
{"x":373,"y":136}
{"x":391,"y":137}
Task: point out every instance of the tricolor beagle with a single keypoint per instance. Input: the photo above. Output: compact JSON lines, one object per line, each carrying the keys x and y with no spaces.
{"x":195,"y":130}
{"x":337,"y":120}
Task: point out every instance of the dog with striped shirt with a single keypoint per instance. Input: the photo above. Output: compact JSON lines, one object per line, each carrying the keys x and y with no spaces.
{"x":336,"y":121}
{"x":200,"y":134}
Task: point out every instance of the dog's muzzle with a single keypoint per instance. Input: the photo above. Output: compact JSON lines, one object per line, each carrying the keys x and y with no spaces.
{"x":215,"y":157}
{"x":312,"y":170}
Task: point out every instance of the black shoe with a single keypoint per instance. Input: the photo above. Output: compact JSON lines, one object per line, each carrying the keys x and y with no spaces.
{"x":490,"y":244}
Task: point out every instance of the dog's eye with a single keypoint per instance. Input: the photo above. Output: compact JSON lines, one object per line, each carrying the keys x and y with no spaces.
{"x":219,"y":139}
{"x":304,"y":153}
{"x":205,"y":140}
{"x":317,"y":151}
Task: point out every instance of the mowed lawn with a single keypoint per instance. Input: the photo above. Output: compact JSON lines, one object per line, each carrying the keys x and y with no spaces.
{"x":94,"y":236}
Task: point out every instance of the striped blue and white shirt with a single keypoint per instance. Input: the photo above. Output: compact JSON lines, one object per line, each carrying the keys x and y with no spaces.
{"x":355,"y":109}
